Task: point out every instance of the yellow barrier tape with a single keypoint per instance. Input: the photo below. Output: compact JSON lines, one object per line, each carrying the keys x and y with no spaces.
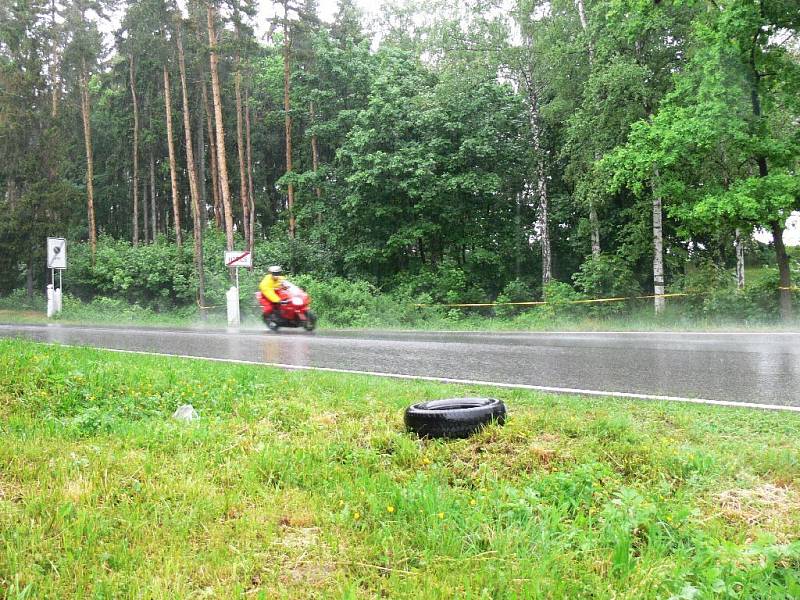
{"x":543,"y":302}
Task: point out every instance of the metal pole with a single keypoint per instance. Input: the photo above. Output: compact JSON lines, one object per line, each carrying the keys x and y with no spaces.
{"x":60,"y":285}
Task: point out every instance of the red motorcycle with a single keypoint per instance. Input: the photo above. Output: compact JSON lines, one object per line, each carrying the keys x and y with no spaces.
{"x":294,"y":309}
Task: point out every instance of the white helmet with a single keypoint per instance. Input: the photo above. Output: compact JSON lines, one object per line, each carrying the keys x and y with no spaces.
{"x":275,"y":271}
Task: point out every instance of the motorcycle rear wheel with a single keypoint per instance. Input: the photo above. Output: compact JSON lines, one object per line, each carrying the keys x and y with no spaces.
{"x":271,"y":323}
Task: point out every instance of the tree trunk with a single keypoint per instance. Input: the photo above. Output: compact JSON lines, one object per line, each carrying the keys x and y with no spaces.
{"x":145,"y":212}
{"x":541,"y":190}
{"x":11,"y":195}
{"x":135,"y":155}
{"x":243,"y":189}
{"x":522,"y":240}
{"x":541,"y":184}
{"x":240,"y":146}
{"x":288,"y":116}
{"x":585,"y":27}
{"x":658,"y":250}
{"x":220,"y":131}
{"x":54,"y":63}
{"x":87,"y":137}
{"x":173,"y":169}
{"x":315,"y":160}
{"x":783,"y":271}
{"x":212,"y":146}
{"x":739,"y":260}
{"x":763,"y":170}
{"x":594,"y":222}
{"x":154,"y":219}
{"x":250,"y":189}
{"x":194,"y":190}
{"x":314,"y":150}
{"x":201,"y":168}
{"x":29,"y":276}
{"x":544,"y":231}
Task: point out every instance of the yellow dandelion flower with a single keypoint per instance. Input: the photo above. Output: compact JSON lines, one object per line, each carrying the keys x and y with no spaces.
{"x":390,"y":509}
{"x":441,"y":515}
{"x":341,"y":502}
{"x":357,"y":516}
{"x":473,"y":502}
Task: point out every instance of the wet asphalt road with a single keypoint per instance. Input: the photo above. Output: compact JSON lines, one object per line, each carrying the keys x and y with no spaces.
{"x":738,"y":367}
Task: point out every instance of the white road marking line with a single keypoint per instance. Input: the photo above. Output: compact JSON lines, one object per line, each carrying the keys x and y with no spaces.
{"x":521,"y":386}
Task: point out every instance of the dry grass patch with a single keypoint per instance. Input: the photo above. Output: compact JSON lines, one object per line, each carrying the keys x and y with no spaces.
{"x":765,"y":506}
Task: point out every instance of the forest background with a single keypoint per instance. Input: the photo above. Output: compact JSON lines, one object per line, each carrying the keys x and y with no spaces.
{"x":439,"y":152}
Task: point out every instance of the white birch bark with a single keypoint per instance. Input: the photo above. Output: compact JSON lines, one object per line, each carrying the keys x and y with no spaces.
{"x":659,"y":301}
{"x":739,"y":260}
{"x":543,"y":225}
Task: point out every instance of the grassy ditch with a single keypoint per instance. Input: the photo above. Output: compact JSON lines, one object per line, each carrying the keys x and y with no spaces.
{"x":305,"y":485}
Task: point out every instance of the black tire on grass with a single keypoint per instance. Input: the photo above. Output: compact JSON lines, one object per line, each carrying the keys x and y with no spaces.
{"x":453,"y":417}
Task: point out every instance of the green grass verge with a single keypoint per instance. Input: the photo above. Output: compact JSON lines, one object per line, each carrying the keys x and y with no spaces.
{"x":305,"y":485}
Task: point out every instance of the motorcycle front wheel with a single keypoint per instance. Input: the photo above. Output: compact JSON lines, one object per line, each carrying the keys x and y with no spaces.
{"x":311,"y":321}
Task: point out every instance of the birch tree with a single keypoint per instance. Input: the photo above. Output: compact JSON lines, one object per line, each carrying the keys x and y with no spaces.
{"x":527,"y":65}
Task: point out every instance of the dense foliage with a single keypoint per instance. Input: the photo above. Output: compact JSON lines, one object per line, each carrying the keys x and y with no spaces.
{"x":449,"y":151}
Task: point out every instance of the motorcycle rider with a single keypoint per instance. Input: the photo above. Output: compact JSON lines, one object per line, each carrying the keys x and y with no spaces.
{"x":268,"y":287}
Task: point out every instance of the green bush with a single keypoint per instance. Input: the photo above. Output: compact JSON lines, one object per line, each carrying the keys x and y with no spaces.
{"x":516,"y":290}
{"x":699,"y":280}
{"x":340,"y":302}
{"x":18,"y":299}
{"x":728,"y":303}
{"x":446,"y":283}
{"x":298,"y":255}
{"x":607,"y":276}
{"x":703,"y":276}
{"x":560,"y":298}
{"x":757,"y":302}
{"x":158,"y":276}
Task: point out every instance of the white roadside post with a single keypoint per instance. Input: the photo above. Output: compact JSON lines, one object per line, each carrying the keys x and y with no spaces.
{"x":236,"y":259}
{"x":56,"y":261}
